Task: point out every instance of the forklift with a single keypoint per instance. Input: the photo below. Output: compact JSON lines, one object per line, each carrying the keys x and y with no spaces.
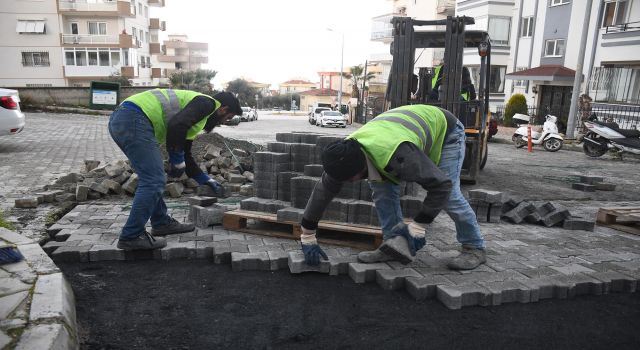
{"x":474,"y":114}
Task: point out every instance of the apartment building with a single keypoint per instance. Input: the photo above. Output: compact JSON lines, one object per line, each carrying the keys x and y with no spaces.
{"x":72,"y":42}
{"x":178,"y":53}
{"x":546,"y":43}
{"x":295,"y":86}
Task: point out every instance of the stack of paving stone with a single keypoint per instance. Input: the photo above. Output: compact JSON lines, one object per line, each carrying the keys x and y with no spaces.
{"x":590,"y":183}
{"x":486,"y":204}
{"x":549,"y":214}
{"x":117,"y":178}
{"x":287,"y":172}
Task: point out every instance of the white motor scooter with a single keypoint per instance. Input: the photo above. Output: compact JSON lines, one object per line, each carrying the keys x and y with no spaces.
{"x":550,"y":139}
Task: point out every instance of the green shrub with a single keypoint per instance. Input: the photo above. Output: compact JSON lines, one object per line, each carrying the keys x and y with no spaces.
{"x":6,"y":224}
{"x":517,"y":104}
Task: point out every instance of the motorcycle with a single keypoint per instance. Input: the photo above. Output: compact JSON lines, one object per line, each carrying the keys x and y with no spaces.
{"x":603,"y":136}
{"x":549,"y":138}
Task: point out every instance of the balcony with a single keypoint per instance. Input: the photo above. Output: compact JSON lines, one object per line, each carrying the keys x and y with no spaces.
{"x":157,"y":24}
{"x":158,"y":73}
{"x":156,"y":49}
{"x":88,"y":39}
{"x":446,"y":7}
{"x":199,"y":59}
{"x":165,"y":58}
{"x":175,"y":44}
{"x":127,"y":72}
{"x":127,"y":41}
{"x":381,"y":28}
{"x":120,"y":8}
{"x":157,"y":3}
{"x":89,"y":71}
{"x":620,"y":43}
{"x":198,"y":46}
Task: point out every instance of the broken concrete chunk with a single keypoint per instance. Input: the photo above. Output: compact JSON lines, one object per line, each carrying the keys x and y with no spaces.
{"x":99,"y":188}
{"x":90,"y":164}
{"x":30,"y":202}
{"x":175,"y":189}
{"x":131,"y":184}
{"x":82,"y":193}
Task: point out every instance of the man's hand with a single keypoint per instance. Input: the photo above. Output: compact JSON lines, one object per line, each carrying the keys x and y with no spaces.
{"x":216,"y":186}
{"x":177,"y":165}
{"x":310,"y":248}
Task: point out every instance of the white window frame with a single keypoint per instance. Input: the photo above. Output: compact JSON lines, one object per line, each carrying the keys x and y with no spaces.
{"x":99,"y":26}
{"x":555,"y":47}
{"x":520,"y":83}
{"x":494,"y":41}
{"x":99,"y":63}
{"x":25,"y":26}
{"x":527,"y":28}
{"x":615,"y":12}
{"x":41,"y":61}
{"x":559,"y":2}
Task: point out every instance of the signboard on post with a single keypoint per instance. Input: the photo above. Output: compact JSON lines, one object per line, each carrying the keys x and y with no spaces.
{"x":104,"y":95}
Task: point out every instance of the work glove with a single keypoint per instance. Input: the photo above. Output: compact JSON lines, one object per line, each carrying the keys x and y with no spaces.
{"x":310,"y":248}
{"x":177,"y":165}
{"x":204,"y":179}
{"x":414,"y":233}
{"x":217,"y":187}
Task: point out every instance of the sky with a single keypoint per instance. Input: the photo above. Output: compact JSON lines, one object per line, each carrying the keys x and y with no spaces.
{"x":272,"y":41}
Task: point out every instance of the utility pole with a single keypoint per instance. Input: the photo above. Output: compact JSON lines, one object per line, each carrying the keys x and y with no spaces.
{"x":577,"y":80}
{"x":364,"y":80}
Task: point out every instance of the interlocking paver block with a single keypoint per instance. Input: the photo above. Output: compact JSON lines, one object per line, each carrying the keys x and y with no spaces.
{"x":578,"y":223}
{"x":202,"y":201}
{"x":290,"y":214}
{"x":517,"y":214}
{"x":361,"y":273}
{"x":394,"y":279}
{"x":605,"y":187}
{"x":250,"y":261}
{"x":339,"y":265}
{"x":424,"y":287}
{"x":509,"y":291}
{"x":100,"y":188}
{"x":29,"y":202}
{"x":105,"y":253}
{"x":615,"y":281}
{"x":178,"y":250}
{"x":457,"y":296}
{"x":556,"y":218}
{"x":315,"y":170}
{"x":589,"y":179}
{"x":278,"y":260}
{"x":583,"y":187}
{"x":297,"y":264}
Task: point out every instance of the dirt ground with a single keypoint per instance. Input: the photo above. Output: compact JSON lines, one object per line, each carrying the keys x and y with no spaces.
{"x":199,"y":305}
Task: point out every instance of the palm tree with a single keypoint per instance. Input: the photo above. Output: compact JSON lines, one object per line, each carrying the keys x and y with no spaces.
{"x":197,"y":80}
{"x":356,"y":74}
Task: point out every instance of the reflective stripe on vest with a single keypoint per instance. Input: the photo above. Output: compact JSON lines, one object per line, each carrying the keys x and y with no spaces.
{"x":425,"y":135}
{"x":170,"y":106}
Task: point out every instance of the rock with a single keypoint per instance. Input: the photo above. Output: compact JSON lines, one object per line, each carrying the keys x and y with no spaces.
{"x":131,"y":184}
{"x":90,"y":164}
{"x":175,"y":189}
{"x":236,"y":178}
{"x":82,"y":193}
{"x":29,"y":202}
{"x":113,"y":186}
{"x":246,"y":190}
{"x":190,"y":183}
{"x":239,"y":152}
{"x":99,"y":188}
{"x":248,"y":175}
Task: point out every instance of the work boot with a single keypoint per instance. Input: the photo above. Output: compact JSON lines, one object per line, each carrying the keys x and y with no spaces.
{"x":398,"y":249}
{"x":373,"y":256}
{"x":469,"y":259}
{"x":171,"y":228}
{"x":143,"y":242}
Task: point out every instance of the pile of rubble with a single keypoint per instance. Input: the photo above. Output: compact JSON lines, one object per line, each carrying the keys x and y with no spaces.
{"x":493,"y":206}
{"x":95,"y":181}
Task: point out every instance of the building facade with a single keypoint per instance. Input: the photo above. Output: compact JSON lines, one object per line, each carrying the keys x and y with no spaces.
{"x":295,"y":86}
{"x":72,"y":42}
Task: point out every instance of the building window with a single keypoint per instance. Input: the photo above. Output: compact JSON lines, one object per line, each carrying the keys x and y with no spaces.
{"x":520,"y":83}
{"x":559,"y":2}
{"x":554,"y":48}
{"x":35,"y":59}
{"x":526,"y":31}
{"x":97,"y":28}
{"x":140,"y":8}
{"x":496,"y":82}
{"x":499,"y":28}
{"x":146,"y":11}
{"x":615,"y":12}
{"x":30,"y":27}
{"x":103,"y":57}
{"x":148,"y":62}
{"x":74,"y":28}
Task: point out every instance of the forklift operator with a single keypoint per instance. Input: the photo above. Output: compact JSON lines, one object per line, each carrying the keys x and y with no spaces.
{"x":467,"y":90}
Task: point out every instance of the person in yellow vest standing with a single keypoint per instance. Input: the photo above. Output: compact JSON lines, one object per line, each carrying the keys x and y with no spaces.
{"x":417,"y":143}
{"x":139,"y":126}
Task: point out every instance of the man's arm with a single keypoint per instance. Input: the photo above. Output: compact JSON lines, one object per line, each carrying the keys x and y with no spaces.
{"x":410,"y":164}
{"x":180,"y":123}
{"x":324,"y":191}
{"x":193,"y":169}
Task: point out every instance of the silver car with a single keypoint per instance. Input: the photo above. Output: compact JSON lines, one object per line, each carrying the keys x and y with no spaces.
{"x":11,"y":117}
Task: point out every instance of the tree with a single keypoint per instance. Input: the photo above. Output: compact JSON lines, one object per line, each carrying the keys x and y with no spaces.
{"x":245,"y":93}
{"x":517,"y":104}
{"x":356,"y":74}
{"x":196,"y":80}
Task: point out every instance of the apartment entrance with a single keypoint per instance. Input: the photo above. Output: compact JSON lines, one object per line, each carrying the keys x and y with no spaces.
{"x":556,"y":100}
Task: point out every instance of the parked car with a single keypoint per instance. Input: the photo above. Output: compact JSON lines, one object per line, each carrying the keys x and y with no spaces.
{"x":248,"y":115}
{"x":332,"y":118}
{"x":233,"y":121}
{"x":11,"y":117}
{"x":315,"y":114}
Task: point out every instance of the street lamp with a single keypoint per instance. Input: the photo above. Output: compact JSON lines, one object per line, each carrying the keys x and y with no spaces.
{"x":341,"y":69}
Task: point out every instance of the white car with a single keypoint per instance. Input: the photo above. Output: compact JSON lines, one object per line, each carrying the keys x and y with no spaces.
{"x":11,"y":117}
{"x":248,"y":115}
{"x":315,"y":114}
{"x":332,"y":118}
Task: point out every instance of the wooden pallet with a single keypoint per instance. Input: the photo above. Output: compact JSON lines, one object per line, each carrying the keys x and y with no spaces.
{"x":626,"y":219}
{"x":337,"y":233}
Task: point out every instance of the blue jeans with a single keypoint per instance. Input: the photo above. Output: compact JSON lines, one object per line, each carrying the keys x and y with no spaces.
{"x":133,"y":133}
{"x":386,"y":195}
